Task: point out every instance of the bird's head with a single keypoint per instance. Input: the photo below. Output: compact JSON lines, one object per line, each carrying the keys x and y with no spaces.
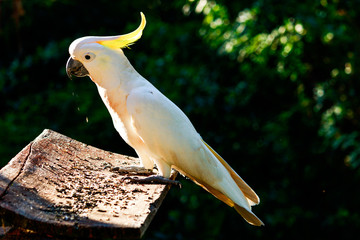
{"x":89,"y":55}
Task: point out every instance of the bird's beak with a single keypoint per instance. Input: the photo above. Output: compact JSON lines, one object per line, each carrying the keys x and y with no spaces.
{"x":76,"y":68}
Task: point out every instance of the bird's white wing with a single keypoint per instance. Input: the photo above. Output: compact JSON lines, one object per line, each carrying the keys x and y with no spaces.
{"x":162,"y":126}
{"x":171,"y":138}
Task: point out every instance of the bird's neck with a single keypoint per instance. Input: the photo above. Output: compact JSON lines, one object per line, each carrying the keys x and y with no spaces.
{"x":115,"y":82}
{"x":119,"y":74}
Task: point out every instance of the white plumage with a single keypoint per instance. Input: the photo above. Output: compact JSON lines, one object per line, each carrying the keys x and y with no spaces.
{"x":154,"y":126}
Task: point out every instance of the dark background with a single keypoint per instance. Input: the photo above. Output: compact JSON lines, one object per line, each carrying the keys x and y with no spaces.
{"x":272,"y":85}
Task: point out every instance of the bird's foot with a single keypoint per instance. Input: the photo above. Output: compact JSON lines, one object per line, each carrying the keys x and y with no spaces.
{"x":152,"y":180}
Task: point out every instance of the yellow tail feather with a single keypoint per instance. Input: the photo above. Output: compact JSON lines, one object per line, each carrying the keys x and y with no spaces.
{"x":247,"y":191}
{"x":247,"y":215}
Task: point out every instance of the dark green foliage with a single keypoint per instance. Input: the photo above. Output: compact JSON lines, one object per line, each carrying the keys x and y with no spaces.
{"x":271,"y":85}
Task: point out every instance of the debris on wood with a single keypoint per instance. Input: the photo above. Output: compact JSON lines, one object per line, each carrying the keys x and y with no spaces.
{"x":64,"y":187}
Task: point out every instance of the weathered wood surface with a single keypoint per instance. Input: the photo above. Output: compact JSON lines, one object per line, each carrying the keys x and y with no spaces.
{"x":62,"y":187}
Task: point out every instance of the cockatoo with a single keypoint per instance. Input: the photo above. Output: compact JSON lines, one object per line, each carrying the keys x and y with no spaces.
{"x":155,"y":127}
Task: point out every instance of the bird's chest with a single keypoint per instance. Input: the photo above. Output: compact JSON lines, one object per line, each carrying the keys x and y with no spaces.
{"x":116,"y":105}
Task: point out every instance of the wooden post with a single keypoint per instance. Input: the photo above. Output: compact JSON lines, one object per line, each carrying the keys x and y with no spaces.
{"x":61,"y":187}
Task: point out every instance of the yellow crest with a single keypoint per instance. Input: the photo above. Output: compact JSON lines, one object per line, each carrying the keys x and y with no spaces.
{"x":125,"y":40}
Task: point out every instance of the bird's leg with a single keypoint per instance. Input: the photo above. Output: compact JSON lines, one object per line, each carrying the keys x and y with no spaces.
{"x":132,"y":169}
{"x":156,"y":179}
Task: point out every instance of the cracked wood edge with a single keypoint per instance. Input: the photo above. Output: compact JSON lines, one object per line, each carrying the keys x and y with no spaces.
{"x":9,"y":173}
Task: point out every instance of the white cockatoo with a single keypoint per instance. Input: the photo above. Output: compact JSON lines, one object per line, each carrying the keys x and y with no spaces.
{"x":154,"y":126}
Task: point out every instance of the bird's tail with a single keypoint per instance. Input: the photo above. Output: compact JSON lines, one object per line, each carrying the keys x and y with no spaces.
{"x":249,"y":216}
{"x":249,"y":194}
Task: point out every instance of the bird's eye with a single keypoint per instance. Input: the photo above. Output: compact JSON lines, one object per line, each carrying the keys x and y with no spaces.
{"x":88,"y":57}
